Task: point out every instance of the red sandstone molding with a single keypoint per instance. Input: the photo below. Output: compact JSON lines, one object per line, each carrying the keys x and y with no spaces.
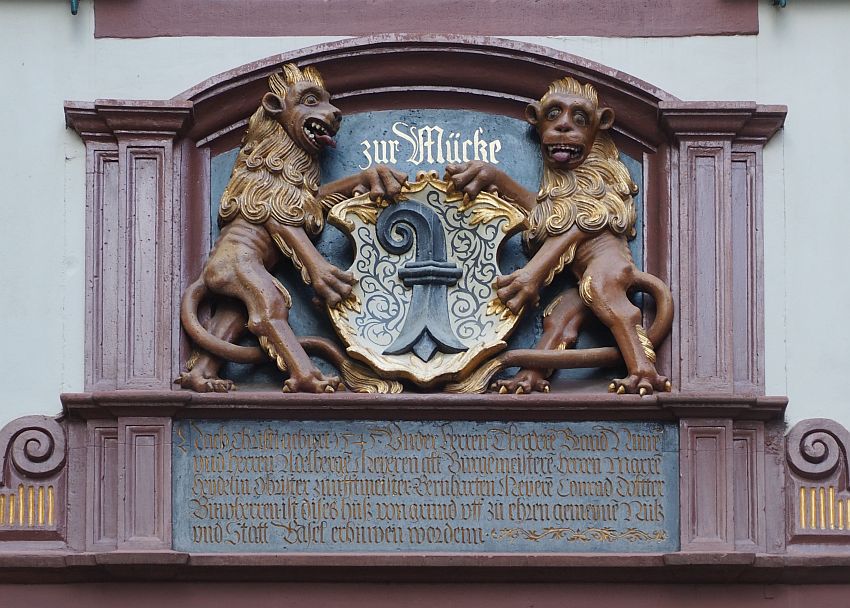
{"x":144,"y":490}
{"x":133,"y":182}
{"x":682,"y":567}
{"x":108,"y":118}
{"x":748,"y":486}
{"x":537,"y":406}
{"x":716,"y":182}
{"x":403,"y":71}
{"x":739,"y":121}
{"x":707,"y":506}
{"x":102,"y":485}
{"x":147,"y":18}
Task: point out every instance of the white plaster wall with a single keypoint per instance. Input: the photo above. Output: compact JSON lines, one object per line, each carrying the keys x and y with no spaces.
{"x":800,"y":58}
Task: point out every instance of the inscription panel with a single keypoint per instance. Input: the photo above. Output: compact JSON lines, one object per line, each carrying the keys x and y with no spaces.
{"x":253,"y":486}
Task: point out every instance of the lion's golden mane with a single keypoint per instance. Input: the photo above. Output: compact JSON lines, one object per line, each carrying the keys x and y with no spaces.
{"x":595,"y":196}
{"x":272,"y":178}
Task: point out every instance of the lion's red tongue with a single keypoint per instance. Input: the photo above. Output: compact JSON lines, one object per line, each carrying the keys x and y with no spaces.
{"x":561,"y":156}
{"x":326,"y":140}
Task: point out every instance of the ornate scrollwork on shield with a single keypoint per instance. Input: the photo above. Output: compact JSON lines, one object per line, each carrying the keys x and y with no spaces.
{"x":425,"y":267}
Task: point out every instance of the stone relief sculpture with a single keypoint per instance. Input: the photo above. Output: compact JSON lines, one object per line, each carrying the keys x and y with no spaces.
{"x":580,"y":219}
{"x":271,"y":206}
{"x":424,"y":301}
{"x":421,"y":286}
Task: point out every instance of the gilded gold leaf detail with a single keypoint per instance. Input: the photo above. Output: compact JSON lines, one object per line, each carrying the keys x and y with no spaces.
{"x":606,"y":535}
{"x":287,"y":299}
{"x":361,"y":379}
{"x":352,"y":303}
{"x":270,"y":349}
{"x":584,"y":289}
{"x":486,"y":209}
{"x":478,"y":380}
{"x":645,"y":343}
{"x":566,"y":258}
{"x":296,"y":261}
{"x":193,"y":360}
{"x":364,"y":208}
{"x":550,"y":308}
{"x":497,"y":308}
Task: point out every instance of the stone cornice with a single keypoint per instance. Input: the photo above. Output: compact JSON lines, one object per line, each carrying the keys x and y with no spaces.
{"x":536,"y":406}
{"x":735,"y":120}
{"x":106,"y":119}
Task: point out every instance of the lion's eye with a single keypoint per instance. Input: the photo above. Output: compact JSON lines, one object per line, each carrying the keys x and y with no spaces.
{"x":310,"y":100}
{"x":553,"y":113}
{"x":580,"y":119}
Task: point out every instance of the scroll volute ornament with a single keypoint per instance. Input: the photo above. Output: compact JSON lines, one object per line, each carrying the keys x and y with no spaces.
{"x":817,"y":487}
{"x":34,"y":446}
{"x":32,"y":479}
{"x":817,"y":447}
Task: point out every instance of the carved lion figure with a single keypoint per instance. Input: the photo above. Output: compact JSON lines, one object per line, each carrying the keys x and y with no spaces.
{"x":270,"y":208}
{"x":581,"y":218}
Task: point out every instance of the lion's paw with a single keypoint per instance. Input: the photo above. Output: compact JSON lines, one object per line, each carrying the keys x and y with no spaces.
{"x":315,"y":382}
{"x":201,"y":383}
{"x":526,"y":381}
{"x":641,"y":384}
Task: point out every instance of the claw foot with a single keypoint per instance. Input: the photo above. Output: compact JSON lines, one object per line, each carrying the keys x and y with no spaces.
{"x":202,"y":383}
{"x":526,"y":381}
{"x":641,"y":384}
{"x":315,"y":382}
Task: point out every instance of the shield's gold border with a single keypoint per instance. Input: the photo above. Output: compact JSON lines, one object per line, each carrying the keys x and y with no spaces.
{"x":483,"y":209}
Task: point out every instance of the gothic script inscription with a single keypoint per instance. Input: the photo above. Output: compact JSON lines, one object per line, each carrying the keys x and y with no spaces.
{"x":251,"y":486}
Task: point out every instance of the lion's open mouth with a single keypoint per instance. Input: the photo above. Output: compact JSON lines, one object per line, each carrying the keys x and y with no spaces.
{"x":319,"y":133}
{"x":564,"y":153}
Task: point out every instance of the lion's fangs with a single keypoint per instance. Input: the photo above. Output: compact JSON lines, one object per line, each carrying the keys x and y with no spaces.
{"x":313,"y":129}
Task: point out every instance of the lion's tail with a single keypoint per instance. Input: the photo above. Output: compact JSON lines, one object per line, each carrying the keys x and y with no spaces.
{"x":356,"y":376}
{"x":189,"y":317}
{"x":663,"y":321}
{"x":603,"y":356}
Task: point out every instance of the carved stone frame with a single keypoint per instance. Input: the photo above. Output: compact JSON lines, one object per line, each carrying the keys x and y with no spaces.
{"x":147,"y":213}
{"x":148,"y":192}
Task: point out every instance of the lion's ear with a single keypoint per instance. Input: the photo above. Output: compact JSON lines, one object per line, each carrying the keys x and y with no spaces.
{"x":532,"y":113}
{"x":272,"y":104}
{"x":606,"y":118}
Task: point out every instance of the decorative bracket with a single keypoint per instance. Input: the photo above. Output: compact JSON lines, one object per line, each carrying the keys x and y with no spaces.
{"x":818,"y":492}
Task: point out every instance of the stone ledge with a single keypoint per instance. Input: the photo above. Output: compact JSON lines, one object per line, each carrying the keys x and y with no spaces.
{"x":682,"y":567}
{"x":415,"y":406}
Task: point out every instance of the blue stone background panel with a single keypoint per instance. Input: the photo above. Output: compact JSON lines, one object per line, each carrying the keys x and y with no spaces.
{"x":369,"y":486}
{"x":425,"y":140}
